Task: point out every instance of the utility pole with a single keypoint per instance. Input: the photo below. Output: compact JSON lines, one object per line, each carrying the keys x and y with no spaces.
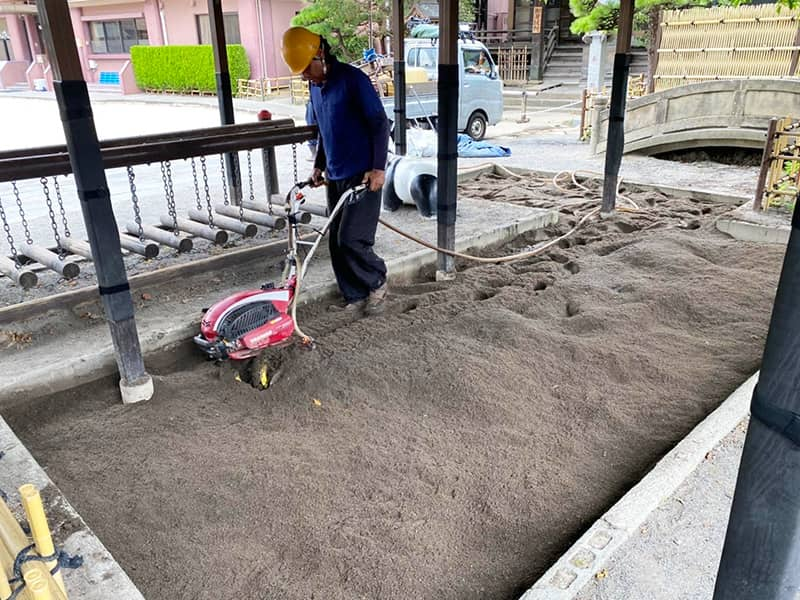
{"x":446,"y":172}
{"x":224,"y":94}
{"x":615,"y":140}
{"x":90,"y":178}
{"x":761,"y":556}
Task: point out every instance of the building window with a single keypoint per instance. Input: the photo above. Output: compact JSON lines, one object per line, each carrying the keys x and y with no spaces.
{"x":117,"y":37}
{"x":230,"y":23}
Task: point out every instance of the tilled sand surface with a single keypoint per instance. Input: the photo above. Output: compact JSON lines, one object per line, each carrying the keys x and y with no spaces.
{"x":451,"y":448}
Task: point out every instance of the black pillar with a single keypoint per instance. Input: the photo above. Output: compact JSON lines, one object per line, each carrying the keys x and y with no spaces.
{"x":398,"y":46}
{"x":761,"y":556}
{"x":615,"y":140}
{"x":224,"y":94}
{"x":90,"y":180}
{"x":446,"y":173}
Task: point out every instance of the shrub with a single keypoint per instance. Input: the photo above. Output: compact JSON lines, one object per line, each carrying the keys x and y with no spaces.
{"x":185,"y":68}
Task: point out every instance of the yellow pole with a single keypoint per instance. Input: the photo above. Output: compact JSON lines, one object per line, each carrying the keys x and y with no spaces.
{"x":12,"y":541}
{"x":5,"y":587}
{"x":36,"y":586}
{"x":40,"y":530}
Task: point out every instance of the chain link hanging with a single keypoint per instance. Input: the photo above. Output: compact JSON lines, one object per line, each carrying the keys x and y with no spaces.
{"x":61,"y":206}
{"x":52,"y":214}
{"x":137,"y":217}
{"x":237,"y":178}
{"x":250,"y":176}
{"x":196,"y":186}
{"x":9,"y":237}
{"x":224,"y":180}
{"x":28,"y":237}
{"x":166,"y":176}
{"x":207,"y":191}
{"x":294,"y":162}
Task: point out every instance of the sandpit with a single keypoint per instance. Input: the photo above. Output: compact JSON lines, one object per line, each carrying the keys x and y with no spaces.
{"x":451,"y":448}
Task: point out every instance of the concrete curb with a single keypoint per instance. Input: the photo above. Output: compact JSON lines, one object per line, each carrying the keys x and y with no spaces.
{"x":746,"y":224}
{"x":100,"y":577}
{"x":98,"y":359}
{"x":594,"y":549}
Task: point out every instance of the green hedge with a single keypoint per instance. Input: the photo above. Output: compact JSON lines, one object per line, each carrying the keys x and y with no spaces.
{"x":185,"y":68}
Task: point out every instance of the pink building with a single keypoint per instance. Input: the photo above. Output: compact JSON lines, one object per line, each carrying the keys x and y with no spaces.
{"x":106,"y":29}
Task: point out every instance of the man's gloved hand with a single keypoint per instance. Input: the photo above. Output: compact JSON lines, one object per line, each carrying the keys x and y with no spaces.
{"x":316,"y":178}
{"x":374,"y":179}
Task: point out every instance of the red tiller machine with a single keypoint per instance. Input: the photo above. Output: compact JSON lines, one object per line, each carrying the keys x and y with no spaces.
{"x":243,"y":325}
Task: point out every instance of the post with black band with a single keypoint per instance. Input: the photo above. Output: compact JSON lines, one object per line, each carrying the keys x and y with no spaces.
{"x":615,"y":139}
{"x":90,"y":179}
{"x":446,"y":173}
{"x":224,"y":93}
{"x":398,"y":41}
{"x":761,"y":556}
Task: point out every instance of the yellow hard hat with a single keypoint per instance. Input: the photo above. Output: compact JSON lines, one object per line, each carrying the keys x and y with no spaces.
{"x":299,"y":47}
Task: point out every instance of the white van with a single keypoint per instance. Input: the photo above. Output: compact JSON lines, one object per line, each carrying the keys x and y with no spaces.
{"x":480,"y":100}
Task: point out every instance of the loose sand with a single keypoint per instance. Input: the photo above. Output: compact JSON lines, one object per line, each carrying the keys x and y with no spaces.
{"x":451,"y":448}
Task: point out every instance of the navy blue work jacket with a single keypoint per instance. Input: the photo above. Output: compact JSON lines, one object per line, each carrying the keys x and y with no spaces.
{"x":353,"y":127}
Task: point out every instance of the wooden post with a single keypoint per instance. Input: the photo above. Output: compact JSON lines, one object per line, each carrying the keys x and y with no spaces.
{"x":22,"y":277}
{"x":615,"y":139}
{"x":762,"y":545}
{"x":90,"y":178}
{"x":218,"y":236}
{"x":244,"y":229}
{"x":446,"y":172}
{"x":181,"y":244}
{"x":399,"y":49}
{"x":766,"y":161}
{"x":536,"y":69}
{"x":132,"y":244}
{"x":252,"y":216}
{"x":51,"y":260}
{"x":224,"y":94}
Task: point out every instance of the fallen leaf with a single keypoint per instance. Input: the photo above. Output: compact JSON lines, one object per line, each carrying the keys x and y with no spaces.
{"x":601,"y":574}
{"x":317,"y":402}
{"x":146,"y":296}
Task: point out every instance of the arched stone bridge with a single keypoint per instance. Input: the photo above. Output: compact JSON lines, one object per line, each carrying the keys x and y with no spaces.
{"x":729,"y":113}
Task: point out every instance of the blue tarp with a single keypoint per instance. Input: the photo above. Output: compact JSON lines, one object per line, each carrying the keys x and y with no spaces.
{"x":469,"y":148}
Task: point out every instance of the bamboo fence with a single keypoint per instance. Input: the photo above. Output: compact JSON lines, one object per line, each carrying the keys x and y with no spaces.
{"x":702,"y":44}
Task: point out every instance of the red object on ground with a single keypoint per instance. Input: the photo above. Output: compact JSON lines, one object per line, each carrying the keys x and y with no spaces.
{"x":264,"y":115}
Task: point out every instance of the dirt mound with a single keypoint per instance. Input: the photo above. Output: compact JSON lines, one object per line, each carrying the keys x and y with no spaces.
{"x":451,"y":448}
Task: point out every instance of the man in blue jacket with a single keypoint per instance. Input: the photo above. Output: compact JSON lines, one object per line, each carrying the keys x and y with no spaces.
{"x":351,"y":149}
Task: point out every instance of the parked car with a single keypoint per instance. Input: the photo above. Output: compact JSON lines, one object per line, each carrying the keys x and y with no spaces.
{"x":480,"y":98}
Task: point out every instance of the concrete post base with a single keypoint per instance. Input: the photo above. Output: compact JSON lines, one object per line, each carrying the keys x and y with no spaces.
{"x":137,"y":391}
{"x":445,"y":275}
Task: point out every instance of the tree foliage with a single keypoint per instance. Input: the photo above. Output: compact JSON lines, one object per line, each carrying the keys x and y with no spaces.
{"x":345,"y":23}
{"x":592,"y":15}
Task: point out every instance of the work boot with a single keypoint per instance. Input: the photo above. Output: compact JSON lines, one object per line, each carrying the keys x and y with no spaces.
{"x":355,"y":307}
{"x":376,"y":301}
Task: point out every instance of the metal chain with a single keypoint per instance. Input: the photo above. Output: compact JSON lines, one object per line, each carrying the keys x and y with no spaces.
{"x":137,"y":217}
{"x":61,"y":207}
{"x":207,"y":191}
{"x":237,"y":177}
{"x":53,"y":224}
{"x":250,"y":176}
{"x":294,"y":161}
{"x":224,"y":180}
{"x":28,"y":238}
{"x":166,"y":176}
{"x":196,"y":186}
{"x":10,"y":237}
